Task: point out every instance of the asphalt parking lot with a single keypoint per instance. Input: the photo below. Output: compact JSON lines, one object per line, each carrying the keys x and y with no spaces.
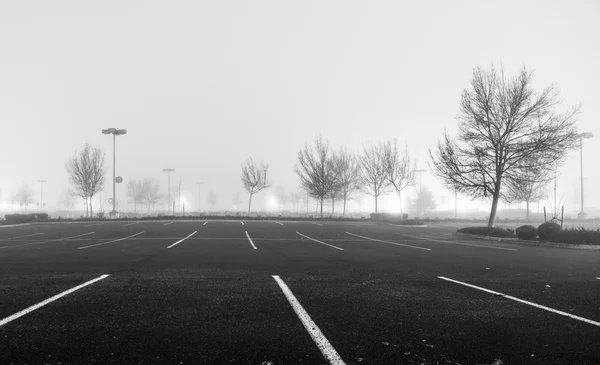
{"x":267,"y":292}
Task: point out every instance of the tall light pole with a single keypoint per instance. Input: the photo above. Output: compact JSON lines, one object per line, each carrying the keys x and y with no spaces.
{"x":169,"y":186}
{"x":199,"y":183}
{"x":420,"y":200}
{"x":115,"y":132}
{"x":581,"y":137}
{"x":42,"y":194}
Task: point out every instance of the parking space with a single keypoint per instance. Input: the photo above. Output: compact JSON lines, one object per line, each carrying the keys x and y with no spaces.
{"x":291,"y":293}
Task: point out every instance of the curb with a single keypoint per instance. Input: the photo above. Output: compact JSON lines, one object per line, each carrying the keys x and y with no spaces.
{"x":534,"y":243}
{"x":14,"y":225}
{"x":408,"y":225}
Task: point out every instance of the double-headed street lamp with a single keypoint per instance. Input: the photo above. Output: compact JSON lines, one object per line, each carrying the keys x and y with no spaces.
{"x":115,"y":132}
{"x":581,"y":137}
{"x":169,"y":187}
{"x":42,"y":194}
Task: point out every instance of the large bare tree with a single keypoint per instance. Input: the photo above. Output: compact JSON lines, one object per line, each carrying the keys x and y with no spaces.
{"x":135,"y":191}
{"x":254,"y":178}
{"x":150,"y":192}
{"x":502,"y":122}
{"x":400,"y":168}
{"x":316,"y":170}
{"x":347,"y":169}
{"x":529,"y":186}
{"x":373,"y":172}
{"x":24,"y":195}
{"x":87,"y":173}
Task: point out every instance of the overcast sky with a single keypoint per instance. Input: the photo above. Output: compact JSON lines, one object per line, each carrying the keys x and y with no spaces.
{"x":202,"y":85}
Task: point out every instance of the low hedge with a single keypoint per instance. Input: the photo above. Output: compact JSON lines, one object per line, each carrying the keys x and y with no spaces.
{"x":547,"y":229}
{"x":488,"y":231}
{"x":576,"y":236}
{"x":526,"y":232}
{"x":26,"y":218}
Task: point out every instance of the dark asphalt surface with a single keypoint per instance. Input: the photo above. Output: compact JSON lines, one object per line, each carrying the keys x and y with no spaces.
{"x":211,"y":299}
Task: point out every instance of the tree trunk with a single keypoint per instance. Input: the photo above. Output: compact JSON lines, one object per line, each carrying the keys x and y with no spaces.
{"x":322,"y":206}
{"x":249,"y":203}
{"x":332,"y":206}
{"x":527,"y":206}
{"x":135,"y":206}
{"x":91,"y":208}
{"x":344,"y":212}
{"x":148,"y":207}
{"x":495,"y":199}
{"x":400,"y":198}
{"x":375,"y":204}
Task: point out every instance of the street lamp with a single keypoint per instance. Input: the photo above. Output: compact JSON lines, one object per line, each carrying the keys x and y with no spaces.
{"x":169,"y":187}
{"x":42,"y":194}
{"x":199,"y":183}
{"x":115,"y":132}
{"x":420,"y":181}
{"x":581,"y":215}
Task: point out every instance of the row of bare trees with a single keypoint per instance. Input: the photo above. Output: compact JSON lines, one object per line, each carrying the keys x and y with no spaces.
{"x":146,"y":192}
{"x":379,"y":169}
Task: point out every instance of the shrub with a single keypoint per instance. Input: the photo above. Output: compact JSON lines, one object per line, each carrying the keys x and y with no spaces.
{"x":546,"y":229}
{"x":26,"y":218}
{"x":579,"y":236}
{"x":488,"y":231}
{"x":526,"y":232}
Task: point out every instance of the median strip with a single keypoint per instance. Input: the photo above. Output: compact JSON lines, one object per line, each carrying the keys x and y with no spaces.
{"x":458,"y":243}
{"x":181,"y":240}
{"x":391,"y":243}
{"x":323,"y":243}
{"x":104,"y":243}
{"x":49,"y":300}
{"x":250,"y":239}
{"x":53,"y":240}
{"x":320,"y":340}
{"x":523,"y":301}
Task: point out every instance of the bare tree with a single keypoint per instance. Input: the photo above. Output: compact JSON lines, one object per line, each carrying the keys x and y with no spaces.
{"x":295,"y":198}
{"x":236,"y":200}
{"x":316,"y":170}
{"x":424,"y":201}
{"x":67,"y":198}
{"x":24,"y":195}
{"x":529,"y":185}
{"x":135,"y":191}
{"x":501,"y":123}
{"x":282,"y":197}
{"x":400,"y":169}
{"x":374,"y":177}
{"x":212,"y":199}
{"x":86,"y":173}
{"x":347,"y":169}
{"x":254,"y":178}
{"x":150,"y":193}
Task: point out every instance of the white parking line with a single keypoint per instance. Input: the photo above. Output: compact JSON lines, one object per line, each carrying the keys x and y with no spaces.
{"x":458,"y":243}
{"x":391,"y":243}
{"x":318,"y":224}
{"x":49,"y":300}
{"x":27,"y":235}
{"x":323,"y":243}
{"x":523,"y":301}
{"x":93,"y":224}
{"x":117,"y":240}
{"x":355,"y":225}
{"x":130,"y":224}
{"x":242,"y":223}
{"x":205,"y":223}
{"x":181,"y":240}
{"x":166,"y":224}
{"x":320,"y":340}
{"x":250,"y":239}
{"x":281,"y":224}
{"x":53,"y":240}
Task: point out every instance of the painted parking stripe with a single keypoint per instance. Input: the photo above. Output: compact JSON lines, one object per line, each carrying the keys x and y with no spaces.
{"x":242,"y":223}
{"x":49,"y":300}
{"x":166,"y":224}
{"x":318,"y":224}
{"x":117,"y":240}
{"x":93,"y":224}
{"x":131,"y":224}
{"x":323,"y":243}
{"x":205,"y":223}
{"x":523,"y":301}
{"x":52,"y":240}
{"x":27,"y":235}
{"x":391,"y":243}
{"x":355,"y":225}
{"x":250,"y":239}
{"x":459,"y":243}
{"x":281,"y":224}
{"x":181,"y":240}
{"x":320,"y":340}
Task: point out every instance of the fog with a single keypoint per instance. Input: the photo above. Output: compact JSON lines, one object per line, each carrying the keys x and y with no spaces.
{"x":201,"y":86}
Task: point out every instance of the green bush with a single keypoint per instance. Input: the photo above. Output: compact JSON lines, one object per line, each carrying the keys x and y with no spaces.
{"x":26,"y":218}
{"x":547,"y":229}
{"x":579,"y":236}
{"x":488,"y":231}
{"x":526,"y":232}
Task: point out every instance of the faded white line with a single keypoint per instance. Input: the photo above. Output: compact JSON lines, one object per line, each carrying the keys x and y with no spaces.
{"x":318,"y":224}
{"x":320,"y":340}
{"x":117,"y":240}
{"x":53,"y":240}
{"x":281,"y":224}
{"x":523,"y":301}
{"x":459,"y":243}
{"x":391,"y":243}
{"x":355,"y":225}
{"x":242,"y":223}
{"x":93,"y":224}
{"x":250,"y":239}
{"x":181,"y":240}
{"x":408,"y":225}
{"x":205,"y":223}
{"x":49,"y":300}
{"x":166,"y":224}
{"x":130,"y":224}
{"x":323,"y":243}
{"x":27,"y":235}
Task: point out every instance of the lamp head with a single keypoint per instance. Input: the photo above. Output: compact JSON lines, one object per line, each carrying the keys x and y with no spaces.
{"x":586,"y":135}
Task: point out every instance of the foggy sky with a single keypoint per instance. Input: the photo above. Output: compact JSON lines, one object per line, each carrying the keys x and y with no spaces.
{"x":202,"y":85}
